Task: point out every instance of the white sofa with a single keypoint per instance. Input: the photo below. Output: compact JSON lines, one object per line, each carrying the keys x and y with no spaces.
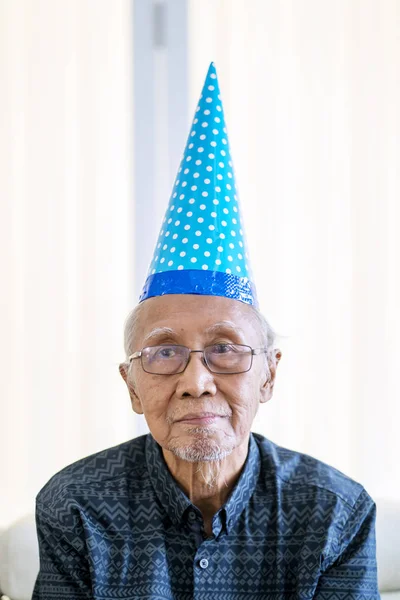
{"x":19,"y":561}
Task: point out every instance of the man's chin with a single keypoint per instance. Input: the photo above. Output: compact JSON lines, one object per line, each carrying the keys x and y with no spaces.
{"x":201,"y":430}
{"x":199,"y":446}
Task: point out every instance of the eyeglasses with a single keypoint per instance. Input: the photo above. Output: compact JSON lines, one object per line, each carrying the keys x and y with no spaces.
{"x":171,"y":359}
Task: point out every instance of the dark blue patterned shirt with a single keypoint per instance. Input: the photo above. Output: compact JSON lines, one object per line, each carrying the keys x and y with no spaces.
{"x":117,"y":525}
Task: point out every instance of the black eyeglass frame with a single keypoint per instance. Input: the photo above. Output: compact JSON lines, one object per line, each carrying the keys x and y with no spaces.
{"x":254,"y":352}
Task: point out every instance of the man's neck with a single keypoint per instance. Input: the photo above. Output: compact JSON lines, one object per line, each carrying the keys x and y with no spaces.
{"x":208,"y":484}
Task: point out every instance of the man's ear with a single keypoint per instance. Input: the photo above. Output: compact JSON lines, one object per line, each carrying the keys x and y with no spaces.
{"x":135,"y":401}
{"x":267,"y":388}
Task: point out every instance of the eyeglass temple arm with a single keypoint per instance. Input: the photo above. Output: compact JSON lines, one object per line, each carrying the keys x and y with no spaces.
{"x":135,"y":355}
{"x":259,"y":350}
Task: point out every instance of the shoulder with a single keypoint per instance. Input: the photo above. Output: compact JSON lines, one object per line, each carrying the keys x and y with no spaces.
{"x":311,"y":495}
{"x":96,"y":471}
{"x":299,"y":473}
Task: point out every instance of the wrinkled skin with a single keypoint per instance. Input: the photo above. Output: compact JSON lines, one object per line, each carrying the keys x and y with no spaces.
{"x":189,"y":450}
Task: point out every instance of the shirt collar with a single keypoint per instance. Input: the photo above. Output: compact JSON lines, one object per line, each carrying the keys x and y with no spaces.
{"x":172,"y":498}
{"x":175,"y":501}
{"x":244,"y":487}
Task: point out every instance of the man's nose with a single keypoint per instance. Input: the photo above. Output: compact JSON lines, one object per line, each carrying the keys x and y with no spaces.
{"x":196,"y":380}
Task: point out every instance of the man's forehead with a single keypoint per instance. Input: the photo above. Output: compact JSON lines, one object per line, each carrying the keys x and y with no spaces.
{"x":172,"y":313}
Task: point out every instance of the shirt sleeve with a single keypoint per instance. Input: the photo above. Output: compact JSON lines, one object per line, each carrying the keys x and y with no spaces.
{"x":64,"y":570}
{"x":351,"y":573}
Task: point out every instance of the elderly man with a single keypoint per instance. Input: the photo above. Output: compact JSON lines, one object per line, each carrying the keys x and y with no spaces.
{"x":201,"y":507}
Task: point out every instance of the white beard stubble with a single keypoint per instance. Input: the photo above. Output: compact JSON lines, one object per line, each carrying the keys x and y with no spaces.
{"x":203,"y":450}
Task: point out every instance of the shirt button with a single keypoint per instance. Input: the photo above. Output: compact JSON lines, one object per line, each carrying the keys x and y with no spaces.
{"x":204,"y":563}
{"x":192,"y":516}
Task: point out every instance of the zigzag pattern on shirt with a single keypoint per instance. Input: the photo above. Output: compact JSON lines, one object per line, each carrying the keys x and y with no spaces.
{"x":117,"y":525}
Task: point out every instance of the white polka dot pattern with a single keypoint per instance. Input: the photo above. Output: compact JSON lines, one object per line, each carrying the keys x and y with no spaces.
{"x":203,"y":228}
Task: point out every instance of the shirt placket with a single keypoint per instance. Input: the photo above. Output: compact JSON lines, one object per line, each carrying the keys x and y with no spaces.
{"x":203,"y":559}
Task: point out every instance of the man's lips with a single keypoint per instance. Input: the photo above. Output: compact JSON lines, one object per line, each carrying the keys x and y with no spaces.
{"x":200,"y":418}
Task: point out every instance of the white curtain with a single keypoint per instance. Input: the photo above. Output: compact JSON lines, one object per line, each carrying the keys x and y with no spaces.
{"x":66,"y":216}
{"x":311,"y":91}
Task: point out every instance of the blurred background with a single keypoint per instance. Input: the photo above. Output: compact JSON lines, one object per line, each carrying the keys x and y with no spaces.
{"x":96,"y":98}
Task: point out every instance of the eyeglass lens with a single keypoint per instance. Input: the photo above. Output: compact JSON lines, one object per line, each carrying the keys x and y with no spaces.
{"x":220,"y":358}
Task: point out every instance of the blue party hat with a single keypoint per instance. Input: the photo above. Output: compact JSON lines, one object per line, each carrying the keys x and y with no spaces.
{"x":201,"y":248}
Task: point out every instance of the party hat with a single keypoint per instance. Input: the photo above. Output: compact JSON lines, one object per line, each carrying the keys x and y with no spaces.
{"x":201,"y":248}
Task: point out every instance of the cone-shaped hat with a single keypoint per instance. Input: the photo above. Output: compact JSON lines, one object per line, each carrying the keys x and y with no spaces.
{"x":201,"y":248}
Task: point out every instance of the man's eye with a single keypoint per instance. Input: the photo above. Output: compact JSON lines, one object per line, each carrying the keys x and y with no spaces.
{"x":222,"y":348}
{"x":166,"y":353}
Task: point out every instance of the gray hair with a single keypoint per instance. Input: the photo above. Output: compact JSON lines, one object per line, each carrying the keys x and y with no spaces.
{"x":268,"y":334}
{"x":130,"y":328}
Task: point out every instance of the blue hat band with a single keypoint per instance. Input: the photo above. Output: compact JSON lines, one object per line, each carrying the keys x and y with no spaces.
{"x":206,"y":283}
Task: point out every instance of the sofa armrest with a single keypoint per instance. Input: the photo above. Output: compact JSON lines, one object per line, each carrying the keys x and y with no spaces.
{"x":19,"y":559}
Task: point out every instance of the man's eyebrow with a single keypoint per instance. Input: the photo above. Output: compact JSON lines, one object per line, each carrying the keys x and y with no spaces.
{"x":224,"y":325}
{"x":158,"y":332}
{"x":216,"y":327}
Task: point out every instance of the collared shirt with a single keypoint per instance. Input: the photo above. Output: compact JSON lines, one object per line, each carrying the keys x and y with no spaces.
{"x":117,"y":525}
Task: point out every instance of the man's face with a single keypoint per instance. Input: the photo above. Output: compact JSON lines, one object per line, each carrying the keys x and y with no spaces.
{"x":169,"y":402}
